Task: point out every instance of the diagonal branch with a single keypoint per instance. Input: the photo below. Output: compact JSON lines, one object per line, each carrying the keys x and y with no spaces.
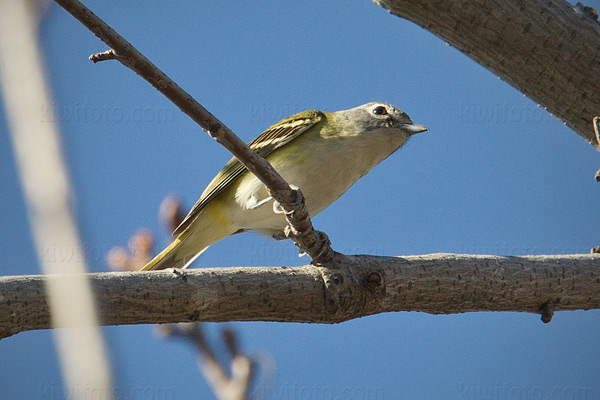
{"x":314,"y":243}
{"x":358,"y":286}
{"x":547,"y":49}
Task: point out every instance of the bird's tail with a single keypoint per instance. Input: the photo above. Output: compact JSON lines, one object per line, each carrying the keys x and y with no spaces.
{"x":168,"y":258}
{"x":190,"y":244}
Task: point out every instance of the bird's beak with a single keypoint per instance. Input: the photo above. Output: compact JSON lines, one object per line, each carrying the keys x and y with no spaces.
{"x":411,"y":129}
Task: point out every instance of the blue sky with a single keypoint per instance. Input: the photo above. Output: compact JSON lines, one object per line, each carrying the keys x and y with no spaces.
{"x":494,"y":175}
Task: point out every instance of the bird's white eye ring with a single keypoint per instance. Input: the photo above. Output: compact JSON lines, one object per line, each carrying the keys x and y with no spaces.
{"x":380,"y":110}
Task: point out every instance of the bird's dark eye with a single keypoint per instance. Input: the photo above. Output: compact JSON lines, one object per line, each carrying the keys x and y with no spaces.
{"x":380,"y":110}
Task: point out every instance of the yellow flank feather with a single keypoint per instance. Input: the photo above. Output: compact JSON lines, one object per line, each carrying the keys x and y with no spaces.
{"x":208,"y":227}
{"x":166,"y":258}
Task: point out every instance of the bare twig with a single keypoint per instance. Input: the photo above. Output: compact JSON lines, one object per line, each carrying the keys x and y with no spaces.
{"x":233,"y":386}
{"x":314,"y":243}
{"x":359,"y":286}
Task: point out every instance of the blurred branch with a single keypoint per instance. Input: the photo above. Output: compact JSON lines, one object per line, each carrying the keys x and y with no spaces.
{"x":140,"y":248}
{"x":314,"y":243}
{"x":356,"y":287}
{"x":225,"y":387}
{"x":171,"y":213}
{"x":47,"y":190}
{"x":547,"y":49}
{"x":138,"y":252}
{"x":233,"y":386}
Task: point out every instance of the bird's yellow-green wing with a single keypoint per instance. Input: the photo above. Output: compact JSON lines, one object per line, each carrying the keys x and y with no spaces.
{"x":274,"y":137}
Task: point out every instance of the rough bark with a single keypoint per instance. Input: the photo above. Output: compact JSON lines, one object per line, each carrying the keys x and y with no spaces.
{"x":354,"y":287}
{"x":547,"y":49}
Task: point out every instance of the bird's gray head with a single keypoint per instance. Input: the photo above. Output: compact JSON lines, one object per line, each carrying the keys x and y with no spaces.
{"x":376,"y":115}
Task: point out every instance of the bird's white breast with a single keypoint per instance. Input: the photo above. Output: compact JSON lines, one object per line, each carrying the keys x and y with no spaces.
{"x":323,"y":169}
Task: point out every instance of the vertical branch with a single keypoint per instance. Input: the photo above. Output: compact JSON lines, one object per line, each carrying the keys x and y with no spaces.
{"x":46,"y":187}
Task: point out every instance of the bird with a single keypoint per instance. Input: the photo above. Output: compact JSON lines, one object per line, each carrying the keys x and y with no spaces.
{"x":321,"y":153}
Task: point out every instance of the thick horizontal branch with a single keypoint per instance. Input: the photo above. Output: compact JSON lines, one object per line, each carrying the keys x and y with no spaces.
{"x":547,"y":49}
{"x":315,"y":244}
{"x":358,"y":286}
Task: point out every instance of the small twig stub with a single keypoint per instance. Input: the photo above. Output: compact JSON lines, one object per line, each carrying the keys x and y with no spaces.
{"x":105,"y":55}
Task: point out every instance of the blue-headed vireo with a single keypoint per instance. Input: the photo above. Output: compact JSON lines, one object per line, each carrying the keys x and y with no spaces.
{"x":321,"y":153}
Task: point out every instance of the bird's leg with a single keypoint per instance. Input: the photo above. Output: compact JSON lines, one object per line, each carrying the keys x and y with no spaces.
{"x":277,"y":209}
{"x":260,"y":203}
